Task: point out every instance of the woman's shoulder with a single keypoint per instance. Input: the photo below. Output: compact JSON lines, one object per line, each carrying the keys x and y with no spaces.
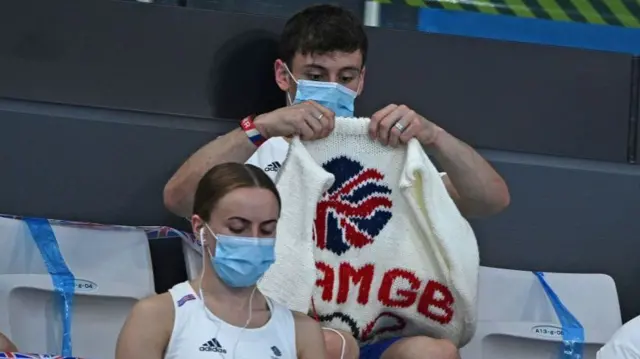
{"x":157,"y":309}
{"x":155,"y":302}
{"x":147,"y":328}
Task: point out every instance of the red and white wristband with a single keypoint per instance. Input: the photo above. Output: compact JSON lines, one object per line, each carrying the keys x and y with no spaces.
{"x":252,"y":132}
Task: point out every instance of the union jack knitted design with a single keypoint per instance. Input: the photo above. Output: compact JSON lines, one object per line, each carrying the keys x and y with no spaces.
{"x":371,"y":236}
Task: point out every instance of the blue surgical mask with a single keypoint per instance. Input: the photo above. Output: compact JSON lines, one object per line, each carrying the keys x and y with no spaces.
{"x":241,"y":261}
{"x":331,"y":95}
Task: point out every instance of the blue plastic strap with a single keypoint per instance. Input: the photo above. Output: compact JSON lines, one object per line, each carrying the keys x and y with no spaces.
{"x":572,"y":330}
{"x":63,"y":279}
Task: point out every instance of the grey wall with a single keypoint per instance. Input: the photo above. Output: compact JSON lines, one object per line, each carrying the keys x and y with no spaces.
{"x":100,"y":101}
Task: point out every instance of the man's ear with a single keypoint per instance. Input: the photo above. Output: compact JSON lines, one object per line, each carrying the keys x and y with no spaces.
{"x":363,"y":72}
{"x":281,"y":75}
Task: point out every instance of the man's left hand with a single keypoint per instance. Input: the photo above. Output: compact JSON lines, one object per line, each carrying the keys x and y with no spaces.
{"x":397,"y":124}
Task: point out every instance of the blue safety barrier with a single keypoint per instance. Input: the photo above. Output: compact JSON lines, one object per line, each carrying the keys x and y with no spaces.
{"x":537,"y":31}
{"x":572,"y":330}
{"x":62,"y":278}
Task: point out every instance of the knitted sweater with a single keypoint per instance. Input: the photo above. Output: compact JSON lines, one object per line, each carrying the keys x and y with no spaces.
{"x":371,"y":234}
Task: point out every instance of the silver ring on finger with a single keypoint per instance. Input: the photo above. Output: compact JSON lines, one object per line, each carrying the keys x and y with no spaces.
{"x":320,"y":117}
{"x":400,"y":127}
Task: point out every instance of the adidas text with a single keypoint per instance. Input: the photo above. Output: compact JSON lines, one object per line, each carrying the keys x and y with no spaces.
{"x":213,"y":346}
{"x":273,"y":167}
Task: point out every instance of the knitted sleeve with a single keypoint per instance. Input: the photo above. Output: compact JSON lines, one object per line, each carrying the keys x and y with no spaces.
{"x":449,"y":233}
{"x":301,"y":183}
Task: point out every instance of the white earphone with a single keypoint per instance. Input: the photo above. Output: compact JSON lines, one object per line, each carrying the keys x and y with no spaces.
{"x":235,"y":347}
{"x":344,"y":341}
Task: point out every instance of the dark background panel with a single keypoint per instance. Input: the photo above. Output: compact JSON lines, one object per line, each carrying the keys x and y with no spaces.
{"x":276,"y":8}
{"x":159,"y":2}
{"x":138,"y":56}
{"x":634,"y":113}
{"x":110,"y":167}
{"x":167,"y":260}
{"x":508,"y":96}
{"x":203,"y":63}
{"x":570,"y":216}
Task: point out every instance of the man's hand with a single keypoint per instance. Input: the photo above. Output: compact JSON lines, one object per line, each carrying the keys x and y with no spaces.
{"x":307,"y":119}
{"x":395,"y":124}
{"x":474,"y":185}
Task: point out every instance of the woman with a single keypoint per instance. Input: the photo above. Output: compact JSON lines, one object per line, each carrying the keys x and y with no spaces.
{"x":223,"y":315}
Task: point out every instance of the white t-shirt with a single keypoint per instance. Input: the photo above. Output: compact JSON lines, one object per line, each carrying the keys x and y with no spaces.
{"x":271,"y":155}
{"x":624,"y":344}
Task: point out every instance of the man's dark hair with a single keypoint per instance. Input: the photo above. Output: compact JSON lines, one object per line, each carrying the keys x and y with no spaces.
{"x":321,"y":29}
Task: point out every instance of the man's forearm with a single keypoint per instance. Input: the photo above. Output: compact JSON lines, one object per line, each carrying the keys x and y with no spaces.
{"x":181,"y":188}
{"x":481,"y":190}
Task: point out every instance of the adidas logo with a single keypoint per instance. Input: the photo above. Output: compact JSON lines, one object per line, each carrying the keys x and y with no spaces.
{"x":276,"y":351}
{"x":273,"y":167}
{"x":213,"y":345}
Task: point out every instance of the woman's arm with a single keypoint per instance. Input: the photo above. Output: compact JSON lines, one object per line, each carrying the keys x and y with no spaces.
{"x":6,"y":345}
{"x":147,"y":330}
{"x":309,"y":338}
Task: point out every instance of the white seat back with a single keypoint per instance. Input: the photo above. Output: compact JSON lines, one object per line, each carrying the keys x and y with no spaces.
{"x":112,"y":270}
{"x":517,"y":320}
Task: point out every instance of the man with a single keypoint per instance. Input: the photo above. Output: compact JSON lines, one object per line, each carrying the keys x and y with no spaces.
{"x":325,"y":47}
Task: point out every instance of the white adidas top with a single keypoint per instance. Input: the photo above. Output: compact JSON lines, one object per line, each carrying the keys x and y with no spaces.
{"x":195,"y":335}
{"x":270,"y":156}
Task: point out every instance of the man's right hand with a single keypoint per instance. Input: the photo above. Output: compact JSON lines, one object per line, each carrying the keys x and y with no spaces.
{"x":308,"y":119}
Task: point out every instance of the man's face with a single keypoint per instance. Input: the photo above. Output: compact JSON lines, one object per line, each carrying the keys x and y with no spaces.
{"x":341,"y":67}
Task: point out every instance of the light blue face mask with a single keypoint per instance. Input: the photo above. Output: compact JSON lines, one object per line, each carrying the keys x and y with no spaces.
{"x":241,"y":261}
{"x":331,"y":95}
